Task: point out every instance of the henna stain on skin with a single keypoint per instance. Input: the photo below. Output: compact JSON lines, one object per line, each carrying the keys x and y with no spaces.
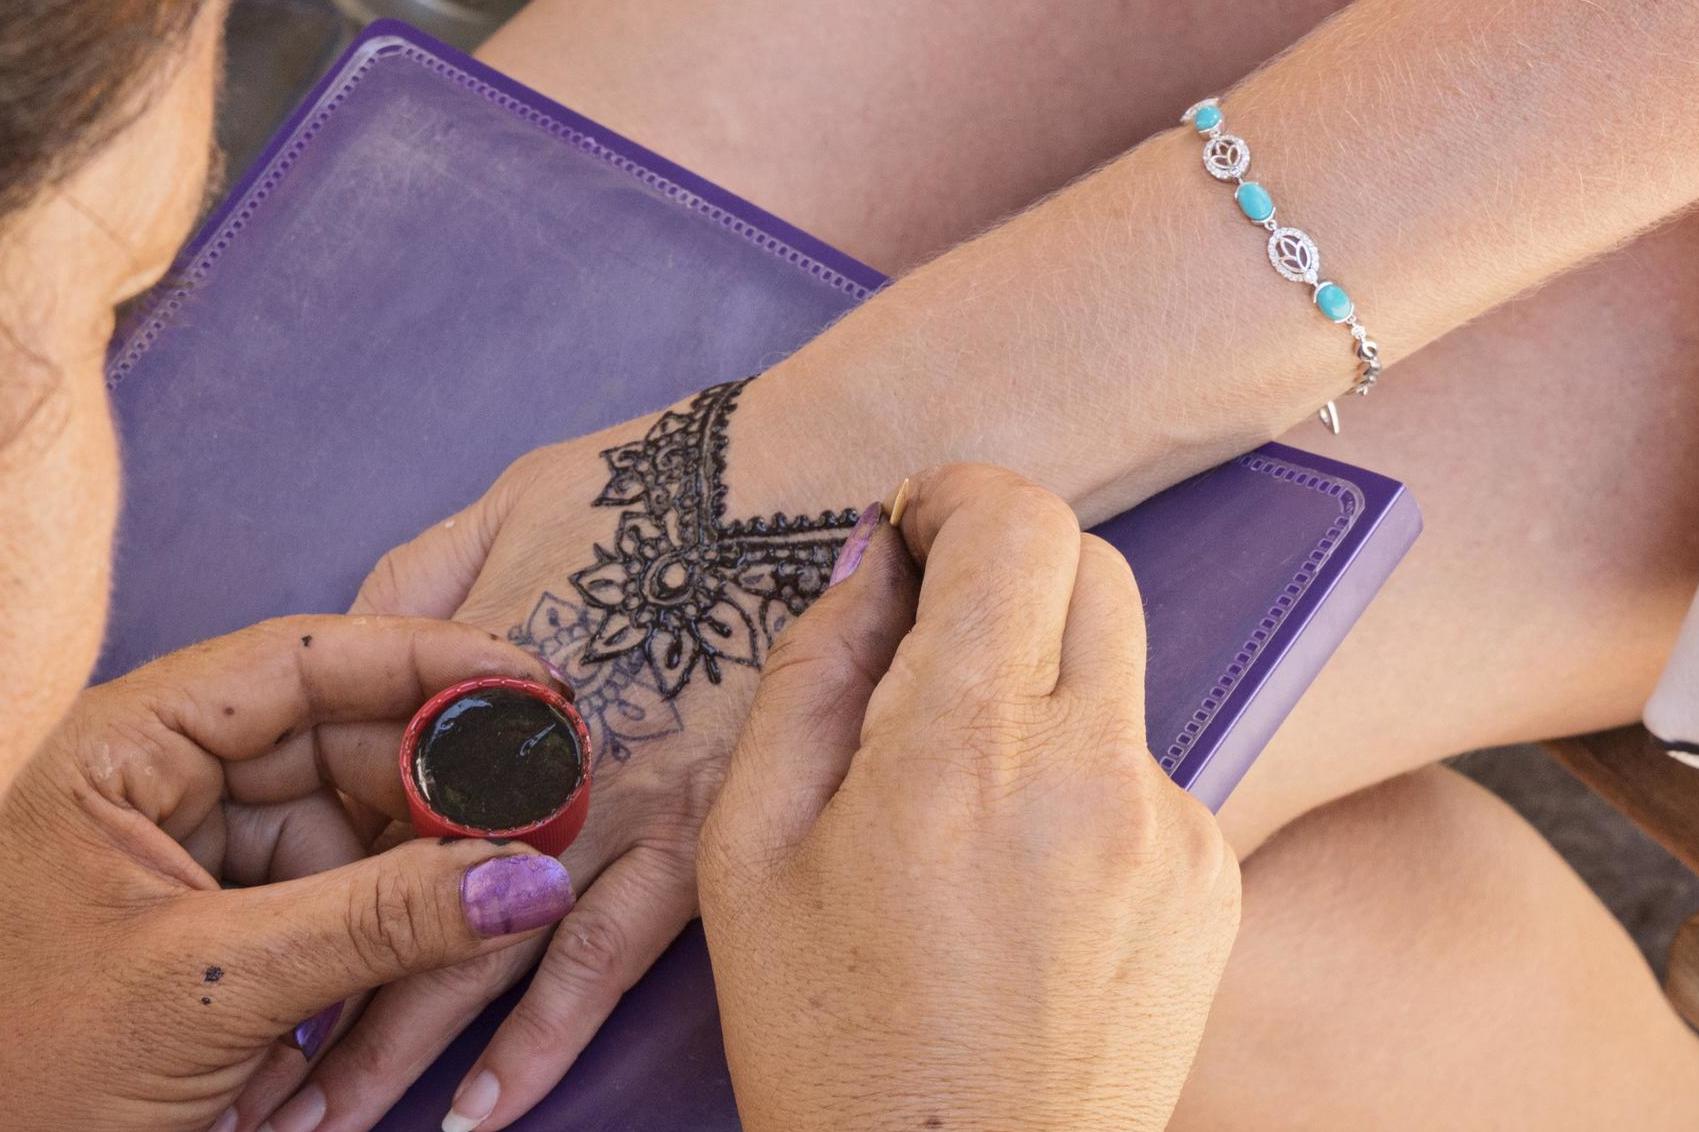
{"x":680,"y":590}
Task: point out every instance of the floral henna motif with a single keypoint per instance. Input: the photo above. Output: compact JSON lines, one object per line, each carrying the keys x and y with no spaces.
{"x":681,"y":589}
{"x":618,"y":698}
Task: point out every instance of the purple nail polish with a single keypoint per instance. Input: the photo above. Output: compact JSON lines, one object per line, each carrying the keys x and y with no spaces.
{"x":309,"y":1037}
{"x":849,"y":556}
{"x":515,"y":894}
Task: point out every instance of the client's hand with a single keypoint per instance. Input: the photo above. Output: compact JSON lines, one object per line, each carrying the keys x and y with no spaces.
{"x":143,"y":994}
{"x":645,"y":562}
{"x":946,"y":885}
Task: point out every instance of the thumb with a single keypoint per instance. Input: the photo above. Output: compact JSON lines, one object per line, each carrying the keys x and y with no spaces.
{"x":430,"y":575}
{"x":805,"y":724}
{"x":288,"y":950}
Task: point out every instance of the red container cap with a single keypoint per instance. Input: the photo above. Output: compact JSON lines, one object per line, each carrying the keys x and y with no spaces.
{"x":550,"y":834}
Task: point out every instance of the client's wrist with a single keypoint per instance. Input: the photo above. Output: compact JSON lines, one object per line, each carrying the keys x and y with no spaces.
{"x":655,"y":571}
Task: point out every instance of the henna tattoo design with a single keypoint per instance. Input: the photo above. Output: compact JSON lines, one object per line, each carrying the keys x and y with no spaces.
{"x":618,"y":698}
{"x":681,"y":589}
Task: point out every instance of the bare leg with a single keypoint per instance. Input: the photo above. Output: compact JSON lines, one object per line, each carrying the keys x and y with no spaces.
{"x":887,"y":128}
{"x":1552,"y":449}
{"x":1446,"y":970}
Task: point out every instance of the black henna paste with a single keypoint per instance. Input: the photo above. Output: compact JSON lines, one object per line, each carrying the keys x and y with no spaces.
{"x":498,"y":759}
{"x":680,"y":589}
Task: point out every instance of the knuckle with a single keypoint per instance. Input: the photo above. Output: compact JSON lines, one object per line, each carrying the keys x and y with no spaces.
{"x":382,"y":589}
{"x":392,"y":925}
{"x":955,"y":476}
{"x":964,"y":480}
{"x":1181,"y":843}
{"x":590,"y":951}
{"x":538,"y":1030}
{"x":1039,"y":508}
{"x":526,"y":469}
{"x":1203,"y":847}
{"x":1100,"y":559}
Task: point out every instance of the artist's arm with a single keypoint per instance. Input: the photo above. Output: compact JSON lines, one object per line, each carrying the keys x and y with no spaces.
{"x":1445,"y":156}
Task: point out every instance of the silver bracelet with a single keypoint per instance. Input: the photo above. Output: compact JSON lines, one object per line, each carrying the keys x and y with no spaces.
{"x":1290,"y":250}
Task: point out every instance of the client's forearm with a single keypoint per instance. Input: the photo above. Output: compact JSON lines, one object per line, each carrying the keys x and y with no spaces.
{"x":1444,"y":155}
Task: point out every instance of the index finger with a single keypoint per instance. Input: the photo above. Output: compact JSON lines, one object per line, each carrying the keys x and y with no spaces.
{"x":1000,"y":556}
{"x":249,"y":693}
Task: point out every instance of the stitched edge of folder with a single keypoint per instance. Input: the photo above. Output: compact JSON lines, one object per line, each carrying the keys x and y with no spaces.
{"x":1351,"y":505}
{"x":164,"y":310}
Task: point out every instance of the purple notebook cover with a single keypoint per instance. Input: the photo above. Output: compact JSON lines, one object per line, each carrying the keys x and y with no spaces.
{"x":427,"y":243}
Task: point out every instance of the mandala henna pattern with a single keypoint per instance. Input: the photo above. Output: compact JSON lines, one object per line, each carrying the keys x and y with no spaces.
{"x":680,"y":589}
{"x":618,"y":699}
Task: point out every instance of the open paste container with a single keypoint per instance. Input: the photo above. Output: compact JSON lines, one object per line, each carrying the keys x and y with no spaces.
{"x":498,"y":757}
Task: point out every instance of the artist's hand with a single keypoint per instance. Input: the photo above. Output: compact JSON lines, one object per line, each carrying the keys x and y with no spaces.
{"x":946,"y":885}
{"x":140,"y":993}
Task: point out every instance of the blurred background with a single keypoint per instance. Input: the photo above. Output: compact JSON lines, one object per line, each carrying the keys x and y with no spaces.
{"x":277,"y":48}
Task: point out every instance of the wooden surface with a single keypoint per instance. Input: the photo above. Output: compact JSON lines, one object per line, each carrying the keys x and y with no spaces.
{"x":1628,"y":769}
{"x":1682,"y":983}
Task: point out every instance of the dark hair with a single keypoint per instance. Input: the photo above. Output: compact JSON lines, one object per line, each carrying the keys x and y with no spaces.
{"x":72,"y":74}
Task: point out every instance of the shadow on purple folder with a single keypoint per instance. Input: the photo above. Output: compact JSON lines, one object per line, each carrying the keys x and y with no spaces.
{"x":432,"y":270}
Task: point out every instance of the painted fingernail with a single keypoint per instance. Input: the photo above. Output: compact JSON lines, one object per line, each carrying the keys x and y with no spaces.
{"x":473,"y":1103}
{"x":515,"y":894}
{"x":559,"y":677}
{"x":850,"y":554}
{"x":309,"y":1036}
{"x":899,"y":502}
{"x":303,"y":1113}
{"x":226,"y":1121}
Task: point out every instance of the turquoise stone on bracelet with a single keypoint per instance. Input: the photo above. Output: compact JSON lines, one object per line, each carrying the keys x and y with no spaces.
{"x":1291,"y":252}
{"x":1254,"y":201}
{"x":1333,"y":301}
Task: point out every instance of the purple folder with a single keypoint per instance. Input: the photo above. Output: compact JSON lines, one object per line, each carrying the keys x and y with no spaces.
{"x":432,"y":270}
